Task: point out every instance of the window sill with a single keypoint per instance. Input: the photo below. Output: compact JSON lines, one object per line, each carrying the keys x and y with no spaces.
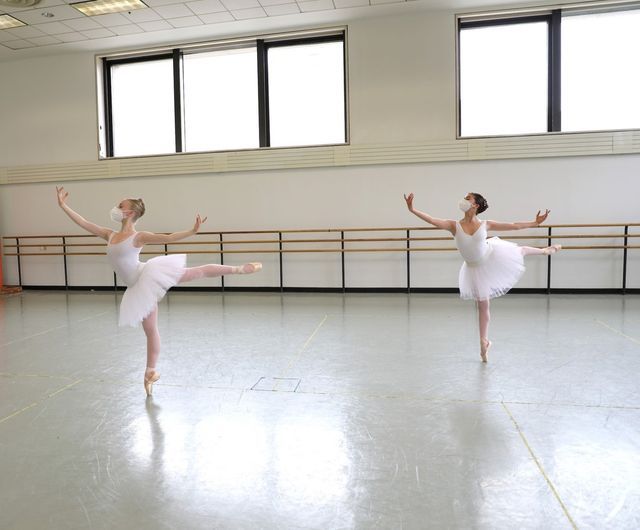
{"x":464,"y":149}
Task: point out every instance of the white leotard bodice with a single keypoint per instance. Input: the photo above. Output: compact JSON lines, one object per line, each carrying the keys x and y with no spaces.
{"x":473,"y":248}
{"x":125,"y":259}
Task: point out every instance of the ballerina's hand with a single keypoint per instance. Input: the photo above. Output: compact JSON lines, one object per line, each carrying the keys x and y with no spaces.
{"x":199,"y":221}
{"x":542,"y":217}
{"x":62,"y":195}
{"x":409,"y":200}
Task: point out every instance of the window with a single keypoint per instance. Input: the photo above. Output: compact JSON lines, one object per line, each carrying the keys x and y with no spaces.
{"x":221,"y":100}
{"x":306,"y":86}
{"x":503,"y":79}
{"x":142,"y":107}
{"x":600,"y":77}
{"x":283,"y":92}
{"x":559,"y":71}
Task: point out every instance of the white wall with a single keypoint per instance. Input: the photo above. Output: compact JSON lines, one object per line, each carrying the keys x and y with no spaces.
{"x":401,"y":90}
{"x":402,"y":79}
{"x":48,"y":109}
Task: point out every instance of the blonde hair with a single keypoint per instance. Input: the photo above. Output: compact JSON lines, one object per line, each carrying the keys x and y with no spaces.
{"x":137,"y":206}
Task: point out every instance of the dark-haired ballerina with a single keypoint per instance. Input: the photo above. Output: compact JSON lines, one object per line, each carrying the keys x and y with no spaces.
{"x":491,"y":266}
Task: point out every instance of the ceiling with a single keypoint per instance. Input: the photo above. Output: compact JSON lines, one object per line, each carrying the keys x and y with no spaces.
{"x":64,"y":29}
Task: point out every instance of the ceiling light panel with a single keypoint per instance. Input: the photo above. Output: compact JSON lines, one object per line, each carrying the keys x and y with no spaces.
{"x":102,"y":7}
{"x":7,"y":21}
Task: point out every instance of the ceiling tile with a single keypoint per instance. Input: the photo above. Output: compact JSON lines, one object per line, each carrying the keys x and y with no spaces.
{"x":216,"y":18}
{"x":283,"y":9}
{"x":111,"y":20}
{"x":142,"y":15}
{"x":157,"y":3}
{"x":185,"y":22}
{"x":374,"y":2}
{"x":200,"y":7}
{"x":71,"y":37}
{"x":82,"y":24}
{"x":175,"y":11}
{"x":6,"y":36}
{"x":59,"y":13}
{"x":25,"y":32}
{"x":275,"y":2}
{"x":52,"y":28}
{"x":341,"y":4}
{"x":50,"y":3}
{"x":233,"y":5}
{"x":307,"y":6}
{"x":44,"y":41}
{"x":129,"y":29}
{"x":155,"y":25}
{"x":98,"y":33}
{"x":18,"y":44}
{"x":245,"y":14}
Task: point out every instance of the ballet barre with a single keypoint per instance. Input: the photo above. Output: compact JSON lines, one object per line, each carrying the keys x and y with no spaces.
{"x":278,"y":241}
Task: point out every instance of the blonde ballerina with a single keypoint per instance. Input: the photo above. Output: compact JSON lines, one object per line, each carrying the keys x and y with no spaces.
{"x":147,"y":282}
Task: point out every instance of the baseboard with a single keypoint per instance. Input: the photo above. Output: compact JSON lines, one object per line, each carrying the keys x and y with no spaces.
{"x":380,"y":290}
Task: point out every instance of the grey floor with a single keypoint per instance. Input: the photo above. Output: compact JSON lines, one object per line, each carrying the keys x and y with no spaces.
{"x":313,"y":411}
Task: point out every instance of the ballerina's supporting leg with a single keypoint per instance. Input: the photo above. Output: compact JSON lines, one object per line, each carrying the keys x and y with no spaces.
{"x":150,"y":326}
{"x":484,"y":316}
{"x":212,"y":271}
{"x":527,"y":251}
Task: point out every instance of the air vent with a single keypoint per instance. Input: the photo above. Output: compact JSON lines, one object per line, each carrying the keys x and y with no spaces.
{"x":19,"y":3}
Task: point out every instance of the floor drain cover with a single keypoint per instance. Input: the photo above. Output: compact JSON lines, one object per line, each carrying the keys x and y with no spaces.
{"x":277,"y":384}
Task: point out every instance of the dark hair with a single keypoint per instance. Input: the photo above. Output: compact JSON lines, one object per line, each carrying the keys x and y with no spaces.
{"x":481,"y":202}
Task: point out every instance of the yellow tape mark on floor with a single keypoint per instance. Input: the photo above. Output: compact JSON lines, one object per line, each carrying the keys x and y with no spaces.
{"x":14,"y":414}
{"x":632,"y":339}
{"x":18,"y":412}
{"x":44,"y":332}
{"x":544,"y":474}
{"x":40,"y":333}
{"x":41,"y":376}
{"x":65,"y":388}
{"x":297,"y":356}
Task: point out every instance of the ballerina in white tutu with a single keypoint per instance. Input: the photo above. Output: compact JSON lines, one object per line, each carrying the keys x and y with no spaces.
{"x":147,"y":282}
{"x":491,"y":266}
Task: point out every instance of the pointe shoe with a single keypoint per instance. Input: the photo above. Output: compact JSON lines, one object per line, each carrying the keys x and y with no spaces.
{"x":552,"y":249}
{"x":249,"y":268}
{"x":149,"y":379}
{"x":485,"y":346}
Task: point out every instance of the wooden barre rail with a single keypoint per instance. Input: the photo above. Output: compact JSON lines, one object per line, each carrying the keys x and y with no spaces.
{"x":67,"y":249}
{"x":298,"y":241}
{"x":303,"y":250}
{"x":319,"y":230}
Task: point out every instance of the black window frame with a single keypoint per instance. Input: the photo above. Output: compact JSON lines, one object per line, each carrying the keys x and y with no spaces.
{"x":263,"y":45}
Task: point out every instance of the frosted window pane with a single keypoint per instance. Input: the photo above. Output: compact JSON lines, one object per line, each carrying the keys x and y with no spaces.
{"x":221,"y":100}
{"x":600,"y":74}
{"x":503,"y":79}
{"x":306,"y":94}
{"x":142,"y":108}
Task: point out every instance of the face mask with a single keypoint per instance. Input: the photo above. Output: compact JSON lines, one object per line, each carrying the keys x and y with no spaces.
{"x":116,"y":214}
{"x":465,"y":205}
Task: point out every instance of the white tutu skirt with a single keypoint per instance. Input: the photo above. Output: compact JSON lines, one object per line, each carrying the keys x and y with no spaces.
{"x":500,"y":269}
{"x":155,"y":277}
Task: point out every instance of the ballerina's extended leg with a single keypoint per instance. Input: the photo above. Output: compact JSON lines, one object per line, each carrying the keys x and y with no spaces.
{"x":528,"y":251}
{"x":213,"y":271}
